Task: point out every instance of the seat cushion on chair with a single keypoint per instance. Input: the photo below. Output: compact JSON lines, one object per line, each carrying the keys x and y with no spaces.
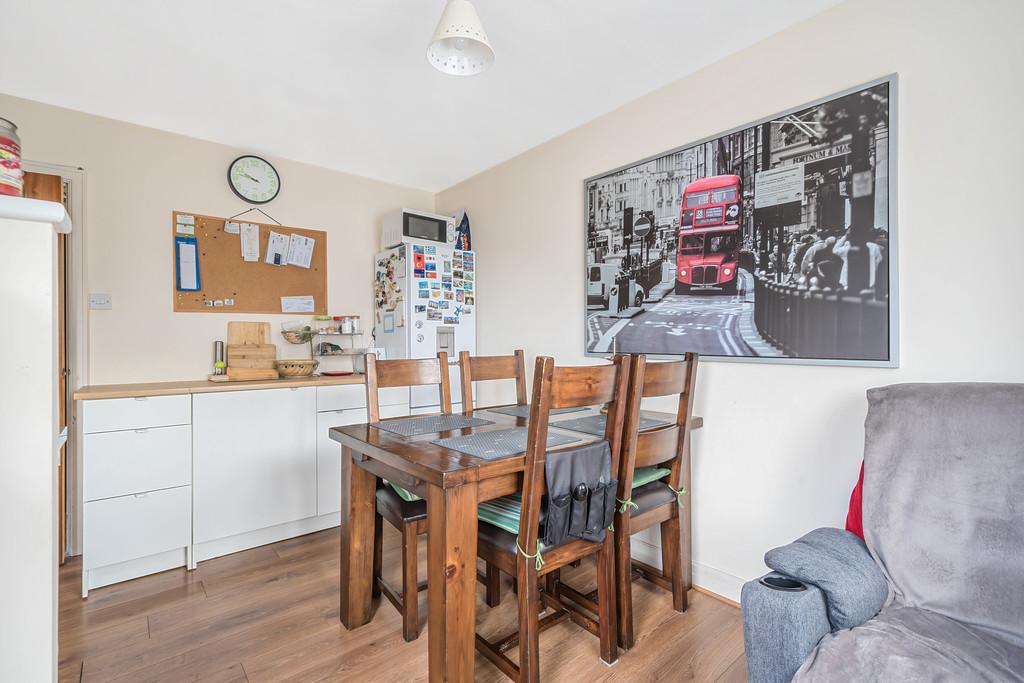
{"x":500,"y":518}
{"x":408,"y":510}
{"x":645,"y":475}
{"x":651,"y":496}
{"x":912,"y":644}
{"x":403,"y":494}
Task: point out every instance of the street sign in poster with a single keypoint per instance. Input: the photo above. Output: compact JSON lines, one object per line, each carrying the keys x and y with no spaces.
{"x":776,"y":186}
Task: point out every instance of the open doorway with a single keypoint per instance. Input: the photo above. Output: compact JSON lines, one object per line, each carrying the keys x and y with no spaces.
{"x":65,"y":185}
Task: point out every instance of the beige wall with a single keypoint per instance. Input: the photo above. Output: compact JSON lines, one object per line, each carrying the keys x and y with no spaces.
{"x":135,"y":177}
{"x":783,"y":444}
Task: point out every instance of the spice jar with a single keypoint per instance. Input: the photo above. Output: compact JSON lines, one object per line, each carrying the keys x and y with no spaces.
{"x":11,"y":177}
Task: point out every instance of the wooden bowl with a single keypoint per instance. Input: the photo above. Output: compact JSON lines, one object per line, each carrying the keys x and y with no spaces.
{"x":296,"y":367}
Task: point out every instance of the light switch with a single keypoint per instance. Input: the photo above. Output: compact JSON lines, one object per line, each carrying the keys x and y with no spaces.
{"x":100,"y":302}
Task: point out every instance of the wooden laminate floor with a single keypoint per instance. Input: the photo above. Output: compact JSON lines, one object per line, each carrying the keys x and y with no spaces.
{"x":271,"y":614}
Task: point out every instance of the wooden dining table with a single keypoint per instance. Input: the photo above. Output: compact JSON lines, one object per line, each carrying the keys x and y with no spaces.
{"x":453,"y":484}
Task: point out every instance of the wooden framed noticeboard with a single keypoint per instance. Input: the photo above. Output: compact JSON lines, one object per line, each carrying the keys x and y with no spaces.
{"x":230,"y":284}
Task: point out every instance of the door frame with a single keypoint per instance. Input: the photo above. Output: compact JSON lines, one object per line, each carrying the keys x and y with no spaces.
{"x":77,"y":311}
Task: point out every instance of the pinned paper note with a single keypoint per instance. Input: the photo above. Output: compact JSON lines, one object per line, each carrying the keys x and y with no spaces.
{"x":250,"y":242}
{"x":300,"y":251}
{"x":231,"y":227}
{"x":277,"y":249}
{"x":297,"y":304}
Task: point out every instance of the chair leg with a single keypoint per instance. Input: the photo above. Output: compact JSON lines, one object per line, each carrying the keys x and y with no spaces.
{"x":378,"y":553}
{"x":410,"y":592}
{"x":624,"y":584}
{"x":671,"y":560}
{"x":606,"y":601}
{"x":493,"y":585}
{"x":529,"y":623}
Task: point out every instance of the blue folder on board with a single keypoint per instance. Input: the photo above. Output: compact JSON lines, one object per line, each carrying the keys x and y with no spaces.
{"x":186,"y":264}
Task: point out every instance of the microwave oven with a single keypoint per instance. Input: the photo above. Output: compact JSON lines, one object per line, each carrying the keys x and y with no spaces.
{"x":416,"y":227}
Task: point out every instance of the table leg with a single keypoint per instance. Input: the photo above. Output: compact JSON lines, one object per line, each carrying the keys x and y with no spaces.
{"x":358,"y":505}
{"x":451,"y":582}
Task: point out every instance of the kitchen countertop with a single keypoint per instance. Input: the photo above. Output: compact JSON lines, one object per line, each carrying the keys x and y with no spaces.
{"x":202,"y":386}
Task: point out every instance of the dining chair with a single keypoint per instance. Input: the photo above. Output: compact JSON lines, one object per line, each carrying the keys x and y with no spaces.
{"x":654,"y":480}
{"x":485,"y":368}
{"x":509,"y":533}
{"x":406,"y":511}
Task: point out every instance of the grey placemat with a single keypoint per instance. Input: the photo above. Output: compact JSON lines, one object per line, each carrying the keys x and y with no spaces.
{"x":499,"y":443}
{"x":524,"y":411}
{"x":429,"y":424}
{"x":595,"y":424}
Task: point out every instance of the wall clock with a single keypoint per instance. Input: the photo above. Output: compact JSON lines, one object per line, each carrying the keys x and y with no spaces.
{"x":254,"y":179}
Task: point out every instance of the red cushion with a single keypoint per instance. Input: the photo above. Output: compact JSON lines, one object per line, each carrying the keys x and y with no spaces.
{"x":854,"y":519}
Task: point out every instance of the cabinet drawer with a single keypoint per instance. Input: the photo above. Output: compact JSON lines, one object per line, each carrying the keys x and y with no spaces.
{"x":348,"y":396}
{"x":115,"y":414}
{"x":130,"y":527}
{"x":136,"y":461}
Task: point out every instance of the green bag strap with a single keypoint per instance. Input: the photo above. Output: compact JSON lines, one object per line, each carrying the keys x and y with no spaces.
{"x":539,"y":564}
{"x":679,"y":493}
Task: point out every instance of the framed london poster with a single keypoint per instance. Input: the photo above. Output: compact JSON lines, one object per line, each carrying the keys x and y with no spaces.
{"x":772,"y":242}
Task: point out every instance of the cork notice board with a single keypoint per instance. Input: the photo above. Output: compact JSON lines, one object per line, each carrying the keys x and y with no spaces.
{"x":232,"y":285}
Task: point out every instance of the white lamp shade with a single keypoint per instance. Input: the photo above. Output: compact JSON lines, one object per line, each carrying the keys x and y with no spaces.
{"x":460,"y":46}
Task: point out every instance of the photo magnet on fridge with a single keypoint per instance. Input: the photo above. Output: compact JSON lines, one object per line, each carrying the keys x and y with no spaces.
{"x":424,"y":294}
{"x":420,"y":309}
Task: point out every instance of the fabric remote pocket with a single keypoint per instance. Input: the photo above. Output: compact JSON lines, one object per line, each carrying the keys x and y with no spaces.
{"x":601,"y":511}
{"x":556,"y":525}
{"x":578,"y":520}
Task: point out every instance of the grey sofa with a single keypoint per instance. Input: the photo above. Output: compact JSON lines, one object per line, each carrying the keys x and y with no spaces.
{"x":937,"y":591}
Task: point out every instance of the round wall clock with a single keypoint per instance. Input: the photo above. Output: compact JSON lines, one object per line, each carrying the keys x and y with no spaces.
{"x":253,"y":179}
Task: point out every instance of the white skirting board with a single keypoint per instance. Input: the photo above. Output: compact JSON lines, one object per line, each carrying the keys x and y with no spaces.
{"x":254,"y":539}
{"x":708,"y":578}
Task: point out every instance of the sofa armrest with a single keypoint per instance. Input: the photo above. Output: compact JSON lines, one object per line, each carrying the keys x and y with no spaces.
{"x":780,"y":628}
{"x":839,"y":564}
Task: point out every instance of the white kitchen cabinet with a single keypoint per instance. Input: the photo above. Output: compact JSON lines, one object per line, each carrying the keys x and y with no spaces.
{"x":135,"y":461}
{"x":328,"y":452}
{"x":136,"y":484}
{"x":255,"y":461}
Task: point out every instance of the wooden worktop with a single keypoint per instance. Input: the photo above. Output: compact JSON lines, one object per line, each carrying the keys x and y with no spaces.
{"x":202,"y":386}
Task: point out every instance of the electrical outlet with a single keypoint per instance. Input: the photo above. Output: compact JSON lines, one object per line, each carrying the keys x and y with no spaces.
{"x":100,"y":302}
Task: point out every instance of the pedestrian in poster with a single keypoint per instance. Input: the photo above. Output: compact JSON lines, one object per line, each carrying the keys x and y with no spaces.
{"x":826,"y":265}
{"x":842,"y":250}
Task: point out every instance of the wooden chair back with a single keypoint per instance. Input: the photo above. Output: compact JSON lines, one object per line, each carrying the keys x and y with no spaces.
{"x":567,"y":387}
{"x":661,"y":445}
{"x":486,"y":368}
{"x":384,"y":374}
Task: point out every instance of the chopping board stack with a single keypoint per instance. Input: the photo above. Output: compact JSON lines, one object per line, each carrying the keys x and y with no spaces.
{"x":250,"y":354}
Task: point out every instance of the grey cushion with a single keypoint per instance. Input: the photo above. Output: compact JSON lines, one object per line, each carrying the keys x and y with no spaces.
{"x":838,"y":563}
{"x":912,"y":645}
{"x":944,"y":499}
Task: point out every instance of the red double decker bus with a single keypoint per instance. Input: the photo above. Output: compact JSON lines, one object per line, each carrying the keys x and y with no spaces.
{"x":709,"y":234}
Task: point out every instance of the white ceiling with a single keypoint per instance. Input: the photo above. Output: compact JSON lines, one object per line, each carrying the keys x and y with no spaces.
{"x":346,"y":85}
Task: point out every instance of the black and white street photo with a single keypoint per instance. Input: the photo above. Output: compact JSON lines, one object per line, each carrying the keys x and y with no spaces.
{"x":772,"y":241}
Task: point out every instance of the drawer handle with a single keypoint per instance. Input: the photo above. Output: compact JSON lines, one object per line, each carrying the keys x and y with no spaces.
{"x":140,"y":495}
{"x":141,"y":431}
{"x":141,"y":398}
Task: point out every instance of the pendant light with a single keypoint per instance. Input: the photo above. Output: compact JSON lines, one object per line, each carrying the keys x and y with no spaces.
{"x":460,"y":46}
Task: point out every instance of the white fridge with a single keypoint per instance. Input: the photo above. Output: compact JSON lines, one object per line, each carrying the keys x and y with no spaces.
{"x":425,"y":302}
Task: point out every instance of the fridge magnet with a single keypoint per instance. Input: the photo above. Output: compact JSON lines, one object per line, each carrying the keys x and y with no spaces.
{"x":430,"y":266}
{"x":420,"y":309}
{"x":435,"y":294}
{"x":431,"y":250}
{"x":460,"y":295}
{"x":458,"y":275}
{"x":446,"y":286}
{"x":448,"y":295}
{"x":433,"y":315}
{"x":443,"y":305}
{"x":467,"y":275}
{"x":469,"y":301}
{"x":418,"y":274}
{"x":431,"y":274}
{"x":417,"y":261}
{"x":451,"y":320}
{"x":389,"y":322}
{"x":424,"y":294}
{"x":432,"y":304}
{"x":435,"y":285}
{"x":424,"y":284}
{"x":417,"y":248}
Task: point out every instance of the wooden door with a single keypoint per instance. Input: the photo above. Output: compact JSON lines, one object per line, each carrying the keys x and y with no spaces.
{"x":51,"y":188}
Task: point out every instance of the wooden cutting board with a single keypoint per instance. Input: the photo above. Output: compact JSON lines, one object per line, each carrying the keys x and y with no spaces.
{"x":250,"y":355}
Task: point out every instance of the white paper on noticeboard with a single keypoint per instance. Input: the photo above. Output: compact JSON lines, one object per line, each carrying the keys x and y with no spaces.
{"x":250,"y":242}
{"x":297,"y":304}
{"x":277,"y":249}
{"x":300,"y":251}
